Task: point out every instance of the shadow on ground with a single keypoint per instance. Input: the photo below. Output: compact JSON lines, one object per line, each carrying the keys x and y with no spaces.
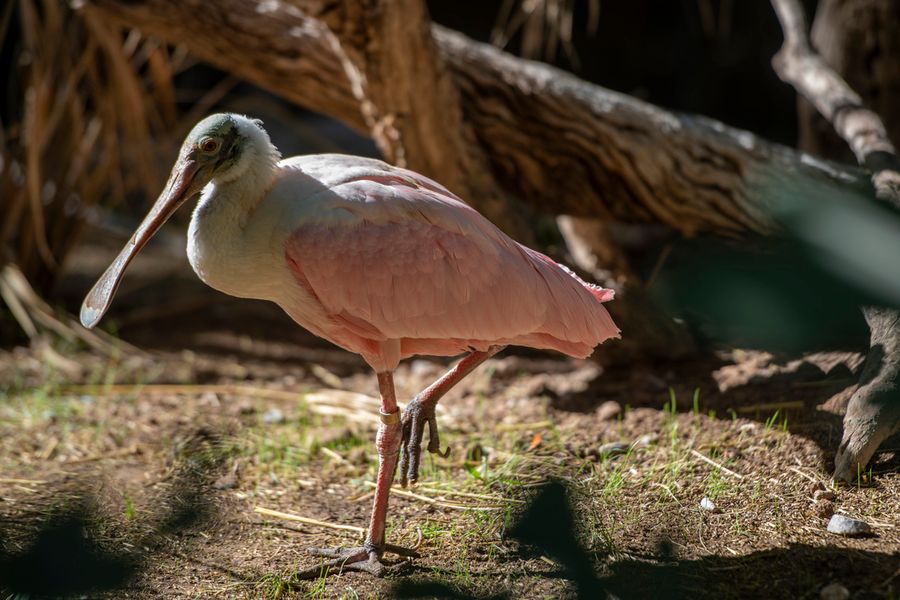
{"x":547,"y":528}
{"x":70,"y":548}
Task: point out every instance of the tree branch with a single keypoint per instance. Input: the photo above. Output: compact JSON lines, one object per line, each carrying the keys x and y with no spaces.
{"x":411,"y":103}
{"x":862,"y":129}
{"x":556,"y":142}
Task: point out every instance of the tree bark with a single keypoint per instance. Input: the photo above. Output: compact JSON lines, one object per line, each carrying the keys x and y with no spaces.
{"x":873,"y":413}
{"x":551,"y":140}
{"x":409,"y":100}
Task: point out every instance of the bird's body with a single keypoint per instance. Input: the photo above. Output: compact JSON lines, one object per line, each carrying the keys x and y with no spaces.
{"x":386,"y":263}
{"x":379,"y":260}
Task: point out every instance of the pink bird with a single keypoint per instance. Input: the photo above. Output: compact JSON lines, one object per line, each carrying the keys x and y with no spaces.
{"x":376,"y":259}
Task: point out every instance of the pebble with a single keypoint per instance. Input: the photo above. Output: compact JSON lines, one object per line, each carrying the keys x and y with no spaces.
{"x":707,"y":504}
{"x":273,"y":416}
{"x":848,"y":527}
{"x":823,"y":495}
{"x":824,"y":508}
{"x":613,"y":448}
{"x":834,"y":591}
{"x":609,"y":410}
{"x":226,"y":482}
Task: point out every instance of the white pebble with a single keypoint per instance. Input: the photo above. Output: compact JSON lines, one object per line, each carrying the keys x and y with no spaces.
{"x":273,"y":416}
{"x":848,"y":527}
{"x":707,"y":504}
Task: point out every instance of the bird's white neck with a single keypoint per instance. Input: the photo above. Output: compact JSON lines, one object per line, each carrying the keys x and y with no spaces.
{"x":219,"y":222}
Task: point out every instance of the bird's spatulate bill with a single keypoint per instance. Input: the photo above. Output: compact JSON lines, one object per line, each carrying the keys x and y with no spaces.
{"x":179,"y":188}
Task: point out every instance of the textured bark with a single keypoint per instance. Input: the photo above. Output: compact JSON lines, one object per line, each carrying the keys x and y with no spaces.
{"x":410,"y":102}
{"x":873,"y":413}
{"x":551,"y":140}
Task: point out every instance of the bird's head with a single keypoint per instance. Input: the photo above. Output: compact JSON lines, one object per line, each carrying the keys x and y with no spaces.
{"x":221,"y":147}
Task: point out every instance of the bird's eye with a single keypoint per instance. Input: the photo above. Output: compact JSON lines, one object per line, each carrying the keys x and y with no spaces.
{"x":209,"y":145}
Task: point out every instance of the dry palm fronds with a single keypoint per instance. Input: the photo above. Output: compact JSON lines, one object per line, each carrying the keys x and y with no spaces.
{"x":35,"y":317}
{"x":545,"y":26}
{"x":85,"y":101}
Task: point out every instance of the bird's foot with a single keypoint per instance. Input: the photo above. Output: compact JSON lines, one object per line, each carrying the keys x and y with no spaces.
{"x":873,"y":413}
{"x":366,"y":558}
{"x":871,"y":419}
{"x":418,"y":413}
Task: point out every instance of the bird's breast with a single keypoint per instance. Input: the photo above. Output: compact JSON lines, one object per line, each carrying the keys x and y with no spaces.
{"x":231,"y":252}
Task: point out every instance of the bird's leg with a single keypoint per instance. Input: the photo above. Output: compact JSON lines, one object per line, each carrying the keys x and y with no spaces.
{"x":421,"y":411}
{"x":368,"y":556}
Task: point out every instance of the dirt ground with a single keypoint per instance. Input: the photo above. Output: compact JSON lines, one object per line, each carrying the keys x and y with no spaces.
{"x":165,"y":459}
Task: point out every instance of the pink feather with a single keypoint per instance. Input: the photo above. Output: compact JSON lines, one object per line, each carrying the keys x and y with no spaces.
{"x":403,"y":267}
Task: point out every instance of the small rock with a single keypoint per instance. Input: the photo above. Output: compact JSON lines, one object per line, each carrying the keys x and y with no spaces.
{"x":226,"y":482}
{"x":834,"y":591}
{"x":824,"y":508}
{"x":848,"y":527}
{"x":707,"y":504}
{"x":815,"y":487}
{"x":609,"y":410}
{"x":273,"y":416}
{"x":823,"y":495}
{"x":613,"y":448}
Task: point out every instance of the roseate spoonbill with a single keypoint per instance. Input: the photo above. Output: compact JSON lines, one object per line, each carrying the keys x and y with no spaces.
{"x":379,"y":260}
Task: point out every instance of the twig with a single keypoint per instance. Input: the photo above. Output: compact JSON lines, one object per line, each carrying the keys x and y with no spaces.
{"x":114,"y":454}
{"x":334,"y":455}
{"x":710,"y":461}
{"x":326,"y":376}
{"x":802,"y":474}
{"x":470,"y":495}
{"x":521,"y":426}
{"x":24,"y":301}
{"x":770,"y":406}
{"x":22,"y":481}
{"x":420,"y":497}
{"x":666,"y":488}
{"x":363,"y":496}
{"x":306,"y":520}
{"x":18,"y":311}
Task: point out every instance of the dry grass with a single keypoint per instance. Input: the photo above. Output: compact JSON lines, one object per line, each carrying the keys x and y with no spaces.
{"x":545,"y":27}
{"x":90,"y":100}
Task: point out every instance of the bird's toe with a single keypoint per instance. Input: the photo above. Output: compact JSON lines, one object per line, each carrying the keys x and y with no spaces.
{"x":367,"y":559}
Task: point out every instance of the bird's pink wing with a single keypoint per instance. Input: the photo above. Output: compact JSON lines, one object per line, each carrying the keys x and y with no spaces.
{"x":396,"y":256}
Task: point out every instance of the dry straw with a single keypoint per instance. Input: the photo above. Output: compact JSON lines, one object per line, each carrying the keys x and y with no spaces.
{"x":85,"y":101}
